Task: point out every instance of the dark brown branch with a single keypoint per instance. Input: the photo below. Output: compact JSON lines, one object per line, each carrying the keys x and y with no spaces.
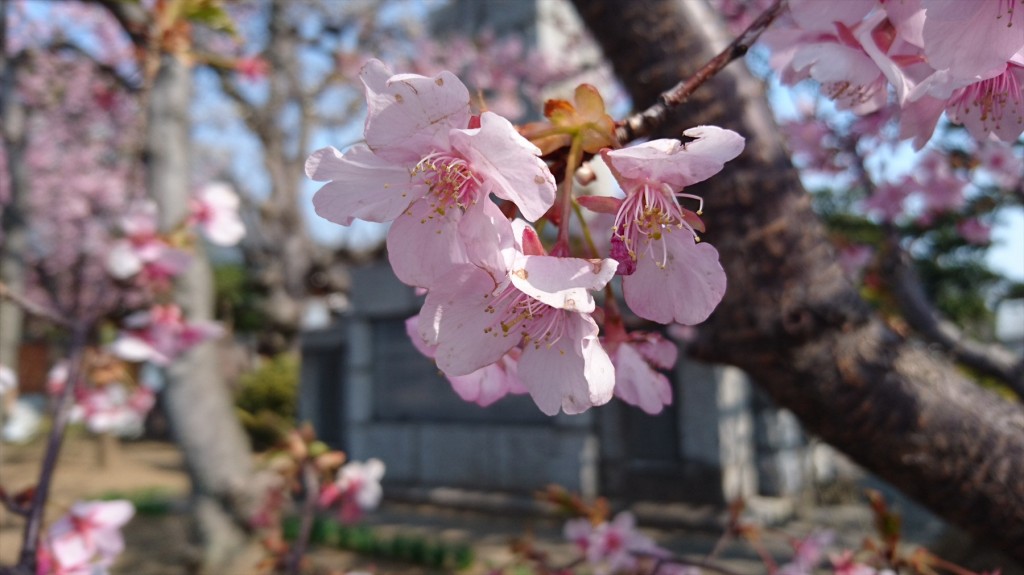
{"x":792,"y":320}
{"x":12,"y":505}
{"x":993,"y":360}
{"x":61,"y":418}
{"x":641,"y":124}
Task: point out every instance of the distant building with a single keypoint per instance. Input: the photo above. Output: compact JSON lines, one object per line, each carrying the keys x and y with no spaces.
{"x":368,"y":391}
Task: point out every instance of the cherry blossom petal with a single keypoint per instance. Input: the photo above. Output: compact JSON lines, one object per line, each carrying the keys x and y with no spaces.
{"x":410,"y":115}
{"x":69,"y":548}
{"x":105,"y":514}
{"x":122,"y":260}
{"x":918,"y":119}
{"x":455,"y":309}
{"x":675,"y":164}
{"x":412,"y":329}
{"x":637,"y":383}
{"x":225,"y":230}
{"x":140,"y":220}
{"x":686,"y":290}
{"x":993,"y":33}
{"x":135,"y":349}
{"x":574,"y":373}
{"x":601,"y":204}
{"x":908,"y":17}
{"x":490,"y":383}
{"x":485,"y":385}
{"x":563,"y":283}
{"x":832,"y":63}
{"x":488,"y":237}
{"x":507,"y":164}
{"x":657,"y":350}
{"x":818,"y":16}
{"x":360,"y":185}
{"x":423,"y":244}
{"x":992,"y":106}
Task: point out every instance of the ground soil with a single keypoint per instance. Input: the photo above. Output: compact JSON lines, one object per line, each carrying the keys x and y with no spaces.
{"x":157,"y":539}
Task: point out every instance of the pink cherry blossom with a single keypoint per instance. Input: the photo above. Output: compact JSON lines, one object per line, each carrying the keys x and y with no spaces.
{"x":637,"y":359}
{"x":430,"y":166}
{"x":609,"y":546}
{"x":160,"y":335}
{"x":88,"y":539}
{"x":1001,"y":164}
{"x":971,"y":41}
{"x":939,"y":185}
{"x":357,"y":488}
{"x":542,"y":305}
{"x":993,"y":105}
{"x":825,"y":41}
{"x":974,"y":231}
{"x":962,"y":58}
{"x":215,"y":211}
{"x":485,"y":385}
{"x":116,"y":409}
{"x":142,"y":251}
{"x":675,"y":279}
{"x":808,"y":552}
{"x":252,"y":68}
{"x":887,"y":200}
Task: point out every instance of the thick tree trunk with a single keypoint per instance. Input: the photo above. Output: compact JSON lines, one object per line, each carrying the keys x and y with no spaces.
{"x":12,"y":215}
{"x":199,"y":404}
{"x":791,"y":319}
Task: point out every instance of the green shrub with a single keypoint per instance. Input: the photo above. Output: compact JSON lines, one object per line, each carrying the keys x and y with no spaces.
{"x":267,"y":400}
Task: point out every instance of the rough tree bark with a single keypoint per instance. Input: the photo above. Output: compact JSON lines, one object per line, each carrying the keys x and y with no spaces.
{"x":791,"y":319}
{"x":198,"y":403}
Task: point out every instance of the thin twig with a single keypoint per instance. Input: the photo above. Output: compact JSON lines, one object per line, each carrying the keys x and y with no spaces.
{"x":643,"y":123}
{"x":33,"y":308}
{"x":310,"y":487}
{"x":61,"y":418}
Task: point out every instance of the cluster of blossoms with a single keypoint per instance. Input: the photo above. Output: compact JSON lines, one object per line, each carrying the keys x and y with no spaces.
{"x":940,"y":181}
{"x":962,"y":58}
{"x":503,"y":313}
{"x":616,"y":546}
{"x":147,"y":261}
{"x":107,"y":398}
{"x":148,"y":258}
{"x":355,"y":490}
{"x":86,"y":541}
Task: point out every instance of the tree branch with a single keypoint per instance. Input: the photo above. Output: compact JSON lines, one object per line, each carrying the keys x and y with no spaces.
{"x":642,"y":123}
{"x":989,"y":359}
{"x":792,"y":320}
{"x":106,"y":69}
